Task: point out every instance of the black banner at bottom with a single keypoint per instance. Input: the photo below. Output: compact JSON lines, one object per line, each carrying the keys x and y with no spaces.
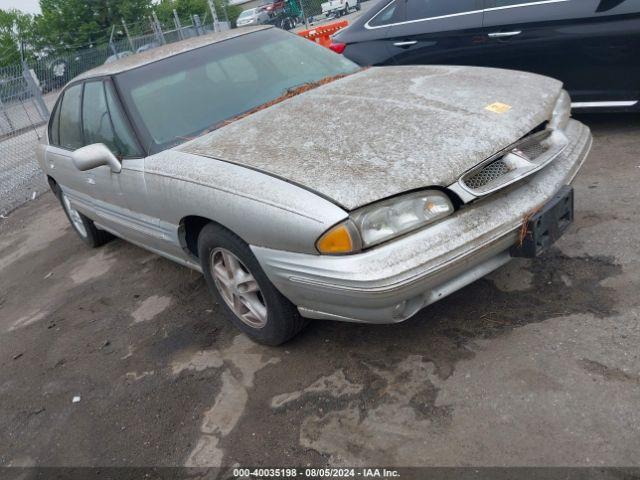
{"x":233,"y":473}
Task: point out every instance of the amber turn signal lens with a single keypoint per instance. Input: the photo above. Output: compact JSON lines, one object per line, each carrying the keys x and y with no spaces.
{"x":336,"y":240}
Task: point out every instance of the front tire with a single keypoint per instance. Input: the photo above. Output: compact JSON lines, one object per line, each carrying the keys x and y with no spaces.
{"x":237,"y":281}
{"x":82,"y":225}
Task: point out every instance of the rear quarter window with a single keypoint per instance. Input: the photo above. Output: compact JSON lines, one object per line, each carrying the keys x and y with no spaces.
{"x":388,"y":15}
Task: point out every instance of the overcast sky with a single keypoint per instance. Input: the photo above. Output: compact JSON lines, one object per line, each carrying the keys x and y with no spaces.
{"x":27,"y":6}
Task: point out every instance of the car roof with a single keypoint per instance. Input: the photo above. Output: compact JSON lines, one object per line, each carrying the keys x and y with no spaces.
{"x":165,"y":51}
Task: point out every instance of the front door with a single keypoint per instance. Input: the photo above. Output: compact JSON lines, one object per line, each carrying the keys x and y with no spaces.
{"x":437,"y":32}
{"x":109,"y":203}
{"x":122,"y":202}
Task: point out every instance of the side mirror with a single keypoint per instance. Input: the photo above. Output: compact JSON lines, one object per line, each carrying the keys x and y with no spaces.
{"x":93,"y":156}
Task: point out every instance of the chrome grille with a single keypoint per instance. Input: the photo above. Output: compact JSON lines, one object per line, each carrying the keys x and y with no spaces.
{"x":487,"y":174}
{"x":533,"y":149}
{"x":521,"y":159}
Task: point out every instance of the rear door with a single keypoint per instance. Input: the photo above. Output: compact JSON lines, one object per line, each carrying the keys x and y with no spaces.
{"x":437,"y":32}
{"x":591,"y":45}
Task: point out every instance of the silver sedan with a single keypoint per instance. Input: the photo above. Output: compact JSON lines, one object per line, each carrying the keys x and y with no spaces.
{"x":252,"y":16}
{"x":304,"y":187}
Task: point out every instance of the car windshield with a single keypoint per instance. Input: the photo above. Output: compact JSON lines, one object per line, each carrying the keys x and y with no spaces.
{"x":247,"y":13}
{"x":181,"y":97}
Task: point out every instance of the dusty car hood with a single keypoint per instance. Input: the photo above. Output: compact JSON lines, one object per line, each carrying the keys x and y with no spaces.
{"x":386,"y":130}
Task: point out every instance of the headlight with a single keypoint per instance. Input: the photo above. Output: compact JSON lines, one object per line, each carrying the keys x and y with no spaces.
{"x":561,"y":112}
{"x":385,"y":220}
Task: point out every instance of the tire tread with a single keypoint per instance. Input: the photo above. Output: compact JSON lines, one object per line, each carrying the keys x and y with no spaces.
{"x":284,"y":322}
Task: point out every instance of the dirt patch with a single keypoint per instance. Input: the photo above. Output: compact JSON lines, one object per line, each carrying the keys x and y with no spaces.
{"x":150,"y":308}
{"x":399,"y":369}
{"x":609,"y":373}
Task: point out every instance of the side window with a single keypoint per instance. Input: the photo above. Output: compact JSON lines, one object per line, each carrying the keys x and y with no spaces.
{"x":388,"y":15}
{"x":69,"y":118}
{"x":125,"y":142}
{"x":423,"y":9}
{"x":95,"y":116}
{"x":54,"y":127}
{"x":104,"y":122}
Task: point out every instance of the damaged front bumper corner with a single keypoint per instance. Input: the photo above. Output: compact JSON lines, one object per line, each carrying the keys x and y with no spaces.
{"x":392,"y":282}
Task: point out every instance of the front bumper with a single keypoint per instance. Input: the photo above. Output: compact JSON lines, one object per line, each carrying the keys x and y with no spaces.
{"x":391,"y":283}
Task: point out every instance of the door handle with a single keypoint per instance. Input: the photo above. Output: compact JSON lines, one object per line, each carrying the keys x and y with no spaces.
{"x":405,"y":44}
{"x":505,"y":34}
{"x":90,"y":178}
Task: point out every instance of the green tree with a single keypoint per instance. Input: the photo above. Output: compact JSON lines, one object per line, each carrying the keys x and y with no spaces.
{"x":16,"y":34}
{"x":186,"y":8}
{"x":66,"y":25}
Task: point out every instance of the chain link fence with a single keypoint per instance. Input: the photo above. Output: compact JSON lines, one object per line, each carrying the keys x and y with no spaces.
{"x":29,"y":90}
{"x":24,"y":111}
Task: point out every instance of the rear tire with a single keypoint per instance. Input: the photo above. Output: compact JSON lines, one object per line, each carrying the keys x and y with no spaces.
{"x":237,"y":281}
{"x":83,"y":226}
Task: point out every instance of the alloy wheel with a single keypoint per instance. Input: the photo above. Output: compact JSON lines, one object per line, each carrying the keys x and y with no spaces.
{"x":238,"y":288}
{"x":75,"y":217}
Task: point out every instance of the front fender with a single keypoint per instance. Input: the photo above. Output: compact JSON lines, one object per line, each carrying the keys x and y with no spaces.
{"x":261,"y":209}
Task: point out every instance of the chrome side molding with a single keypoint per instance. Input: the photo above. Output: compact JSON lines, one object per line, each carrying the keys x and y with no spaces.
{"x":625,"y":103}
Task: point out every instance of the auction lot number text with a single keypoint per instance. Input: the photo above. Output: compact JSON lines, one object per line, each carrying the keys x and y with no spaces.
{"x":315,"y":473}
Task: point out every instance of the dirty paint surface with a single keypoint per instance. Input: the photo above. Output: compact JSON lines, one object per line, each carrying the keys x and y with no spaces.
{"x":345,"y":149}
{"x":536,"y":365}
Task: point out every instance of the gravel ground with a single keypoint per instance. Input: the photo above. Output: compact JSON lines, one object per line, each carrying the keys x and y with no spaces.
{"x":536,"y":365}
